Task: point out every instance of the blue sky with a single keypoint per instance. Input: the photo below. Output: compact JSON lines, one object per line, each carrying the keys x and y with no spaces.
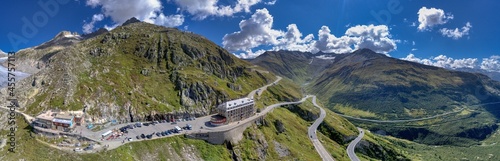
{"x":333,"y":25}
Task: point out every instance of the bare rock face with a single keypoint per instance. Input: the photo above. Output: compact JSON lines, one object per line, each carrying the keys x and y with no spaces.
{"x":280,"y":149}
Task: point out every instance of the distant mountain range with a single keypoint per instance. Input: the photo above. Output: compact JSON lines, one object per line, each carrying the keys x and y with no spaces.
{"x":2,"y":54}
{"x":492,"y":75}
{"x":382,"y":87}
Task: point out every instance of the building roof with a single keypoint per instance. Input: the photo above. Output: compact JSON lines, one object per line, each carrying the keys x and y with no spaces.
{"x":64,"y":116}
{"x":235,"y":103}
{"x":47,"y":115}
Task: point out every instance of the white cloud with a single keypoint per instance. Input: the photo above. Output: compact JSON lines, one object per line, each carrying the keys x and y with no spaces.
{"x":272,"y":2}
{"x":109,"y":28}
{"x":255,"y":31}
{"x":150,"y":11}
{"x":169,"y":21}
{"x":456,"y":33}
{"x":292,"y":40}
{"x":201,"y":9}
{"x":376,"y":38}
{"x":325,"y":57}
{"x":89,"y":27}
{"x":327,"y":42}
{"x":428,"y":18}
{"x":491,"y":64}
{"x":445,"y":62}
{"x":250,"y":54}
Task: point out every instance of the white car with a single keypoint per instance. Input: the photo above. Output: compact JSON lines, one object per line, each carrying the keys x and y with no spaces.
{"x":77,"y":150}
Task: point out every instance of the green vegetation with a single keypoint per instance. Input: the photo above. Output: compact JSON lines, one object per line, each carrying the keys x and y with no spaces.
{"x":292,"y":65}
{"x":258,"y":141}
{"x":284,"y":91}
{"x":174,"y":148}
{"x":141,"y":69}
{"x":349,"y":110}
{"x":361,"y":84}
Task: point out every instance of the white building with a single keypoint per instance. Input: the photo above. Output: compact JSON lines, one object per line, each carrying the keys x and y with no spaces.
{"x":237,"y":110}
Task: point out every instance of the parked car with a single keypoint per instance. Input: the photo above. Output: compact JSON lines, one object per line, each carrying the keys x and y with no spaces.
{"x":149,"y":136}
{"x":138,"y":124}
{"x":138,"y":137}
{"x":163,"y":133}
{"x":88,"y":148}
{"x":143,"y":136}
{"x":77,"y":149}
{"x":145,"y":124}
{"x":156,"y":122}
{"x":173,"y":123}
{"x":158,"y":134}
{"x":130,"y":139}
{"x":163,"y":121}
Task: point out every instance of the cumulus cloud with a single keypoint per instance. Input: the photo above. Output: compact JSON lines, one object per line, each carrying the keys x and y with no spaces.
{"x":170,"y":20}
{"x":89,"y":27}
{"x":491,"y":64}
{"x":292,"y":40}
{"x":150,"y":11}
{"x":250,"y":54}
{"x":202,"y":9}
{"x":456,"y":33}
{"x":429,"y":17}
{"x":257,"y":31}
{"x":445,"y":61}
{"x":376,"y":38}
{"x":327,"y":42}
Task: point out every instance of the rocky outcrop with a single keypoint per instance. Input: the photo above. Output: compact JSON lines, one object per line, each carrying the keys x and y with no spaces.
{"x":280,"y":149}
{"x":280,"y":127}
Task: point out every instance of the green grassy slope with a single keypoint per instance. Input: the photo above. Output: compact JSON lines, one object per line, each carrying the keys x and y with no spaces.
{"x":141,"y":70}
{"x":173,"y":148}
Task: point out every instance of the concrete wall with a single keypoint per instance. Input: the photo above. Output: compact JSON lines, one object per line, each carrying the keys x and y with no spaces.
{"x":233,"y":135}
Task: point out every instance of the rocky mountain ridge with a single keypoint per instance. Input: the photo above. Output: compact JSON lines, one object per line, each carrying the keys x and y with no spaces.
{"x":138,"y":71}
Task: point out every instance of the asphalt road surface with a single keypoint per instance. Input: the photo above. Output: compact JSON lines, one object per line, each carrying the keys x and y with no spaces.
{"x":352,"y":146}
{"x":312,"y":134}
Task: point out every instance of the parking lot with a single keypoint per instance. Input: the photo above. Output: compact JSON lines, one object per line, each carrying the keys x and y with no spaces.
{"x":151,"y":129}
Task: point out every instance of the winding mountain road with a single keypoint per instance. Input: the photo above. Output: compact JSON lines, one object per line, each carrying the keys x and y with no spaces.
{"x":399,"y":121}
{"x":352,"y":146}
{"x":311,"y":131}
{"x":261,"y":89}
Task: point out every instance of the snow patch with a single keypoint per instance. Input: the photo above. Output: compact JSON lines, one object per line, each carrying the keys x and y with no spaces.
{"x":325,"y":57}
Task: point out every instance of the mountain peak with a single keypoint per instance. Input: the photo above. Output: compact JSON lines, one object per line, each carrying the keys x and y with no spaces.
{"x":63,"y":38}
{"x":130,"y":21}
{"x":368,"y":53}
{"x":67,"y":34}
